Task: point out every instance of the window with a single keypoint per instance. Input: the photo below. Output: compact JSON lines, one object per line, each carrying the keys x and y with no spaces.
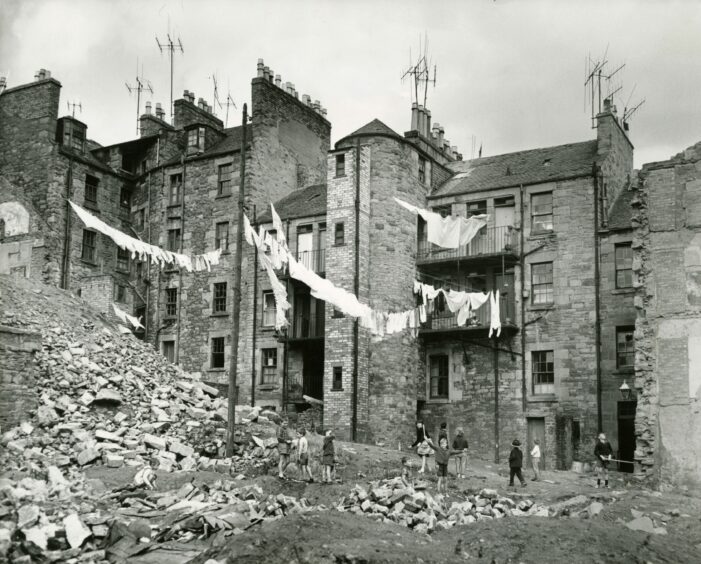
{"x":337,"y":383}
{"x":171,"y":302}
{"x":543,"y":370}
{"x":89,"y":243}
{"x":422,"y":170}
{"x":139,"y":270}
{"x":476,"y":208}
{"x":268,"y":366}
{"x":338,"y":235}
{"x":217,"y":354}
{"x":125,"y":198}
{"x":337,"y":314}
{"x":122,"y":260}
{"x":542,"y":212}
{"x":174,"y":240}
{"x":268,"y":309}
{"x":176,"y":185}
{"x":542,"y":283}
{"x":169,"y":350}
{"x":624,"y":265}
{"x":443,"y":211}
{"x":340,"y":165}
{"x":219,"y":301}
{"x":625,"y":347}
{"x":120,"y":293}
{"x":224,"y":186}
{"x":195,"y":138}
{"x":91,"y":183}
{"x":439,"y":376}
{"x":140,"y":218}
{"x":305,"y":246}
{"x":221,"y":236}
{"x":2,"y":229}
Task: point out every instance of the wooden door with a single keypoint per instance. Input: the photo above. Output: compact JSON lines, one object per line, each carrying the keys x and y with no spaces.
{"x":536,"y":430}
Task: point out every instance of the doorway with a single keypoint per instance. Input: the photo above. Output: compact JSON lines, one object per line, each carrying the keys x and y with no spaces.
{"x":536,"y":430}
{"x":626,"y":434}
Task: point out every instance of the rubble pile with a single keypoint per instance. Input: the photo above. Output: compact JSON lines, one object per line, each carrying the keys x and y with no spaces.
{"x":397,"y":501}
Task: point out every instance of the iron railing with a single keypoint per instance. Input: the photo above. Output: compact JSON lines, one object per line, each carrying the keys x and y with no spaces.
{"x":307,"y":327}
{"x":481,"y":318}
{"x":314,"y":260}
{"x":489,"y":241}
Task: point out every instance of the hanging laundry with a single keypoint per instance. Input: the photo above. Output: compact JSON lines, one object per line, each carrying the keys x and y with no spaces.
{"x":141,"y":249}
{"x":495,"y":324}
{"x":127,"y":319}
{"x":277,"y":225}
{"x":279,"y":293}
{"x":447,"y":232}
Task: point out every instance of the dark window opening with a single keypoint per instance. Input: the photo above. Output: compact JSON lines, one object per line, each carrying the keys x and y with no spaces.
{"x":476,"y":208}
{"x":422,"y":170}
{"x":439,"y":376}
{"x":91,"y":184}
{"x":268,"y":366}
{"x":337,"y":383}
{"x":122,"y":260}
{"x":125,"y":198}
{"x":120,"y":293}
{"x":89,"y":246}
{"x":269,"y":311}
{"x":340,"y":165}
{"x":221,"y":236}
{"x":174,"y":240}
{"x":171,"y":302}
{"x":625,"y":347}
{"x":217,"y":355}
{"x":219,"y":302}
{"x":338,"y":235}
{"x":169,"y":350}
{"x":176,"y":185}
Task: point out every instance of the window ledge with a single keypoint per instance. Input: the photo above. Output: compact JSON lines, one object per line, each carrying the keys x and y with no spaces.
{"x":438,"y":400}
{"x":340,"y":245}
{"x":340,"y":176}
{"x":170,"y":317}
{"x":541,"y":307}
{"x":540,"y":235}
{"x":541,"y":398}
{"x":624,"y":371}
{"x":92,"y":207}
{"x":219,"y":314}
{"x":267,"y":387}
{"x":222,"y":196}
{"x":630,"y":290}
{"x":88,"y":262}
{"x":216,"y":369}
{"x":337,"y":389}
{"x":267,"y":328}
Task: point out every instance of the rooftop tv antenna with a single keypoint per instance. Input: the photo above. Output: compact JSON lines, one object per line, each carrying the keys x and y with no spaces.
{"x":72,"y":106}
{"x":596,"y":72}
{"x":420,"y":73}
{"x":171,"y":46}
{"x":141,"y":85}
{"x":229,"y":102}
{"x":215,"y":95}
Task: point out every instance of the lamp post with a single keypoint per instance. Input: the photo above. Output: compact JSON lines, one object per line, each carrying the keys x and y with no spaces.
{"x":625,"y":390}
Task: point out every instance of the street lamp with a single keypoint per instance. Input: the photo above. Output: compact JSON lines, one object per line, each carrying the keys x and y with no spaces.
{"x":625,"y":390}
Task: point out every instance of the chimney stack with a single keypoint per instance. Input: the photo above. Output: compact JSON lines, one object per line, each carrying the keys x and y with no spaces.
{"x":422,"y":119}
{"x":260,"y":69}
{"x":414,"y":116}
{"x":441,"y":137}
{"x":159,"y":111}
{"x":278,"y":80}
{"x":306,"y":100}
{"x":271,"y":76}
{"x":427,"y":130}
{"x":148,"y":108}
{"x":266,"y":73}
{"x":3,"y":83}
{"x":186,"y":94}
{"x":200,"y":103}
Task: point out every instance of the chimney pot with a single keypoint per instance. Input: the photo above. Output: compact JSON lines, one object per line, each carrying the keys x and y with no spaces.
{"x":260,"y":67}
{"x":148,"y":108}
{"x":427,"y":130}
{"x":414,"y":116}
{"x":441,"y":135}
{"x":192,"y":97}
{"x":422,"y":120}
{"x":278,"y":80}
{"x":271,"y":75}
{"x":266,"y":73}
{"x":306,"y":99}
{"x":186,"y":94}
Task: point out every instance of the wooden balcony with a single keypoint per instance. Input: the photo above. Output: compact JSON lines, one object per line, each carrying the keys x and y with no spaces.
{"x":490,"y":245}
{"x":440,"y":323}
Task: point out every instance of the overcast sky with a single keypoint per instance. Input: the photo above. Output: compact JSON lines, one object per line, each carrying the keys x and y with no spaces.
{"x":510,"y":73}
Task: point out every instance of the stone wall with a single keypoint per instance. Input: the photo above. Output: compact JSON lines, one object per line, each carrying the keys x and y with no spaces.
{"x":667,"y":265}
{"x":18,"y":396}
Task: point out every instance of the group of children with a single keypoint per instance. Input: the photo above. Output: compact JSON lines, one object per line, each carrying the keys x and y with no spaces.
{"x":285,"y":445}
{"x":459,"y":449}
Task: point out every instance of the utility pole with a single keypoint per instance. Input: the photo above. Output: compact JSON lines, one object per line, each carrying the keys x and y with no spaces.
{"x":233,"y":368}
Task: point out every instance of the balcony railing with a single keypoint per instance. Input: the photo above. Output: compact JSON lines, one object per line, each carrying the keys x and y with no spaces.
{"x":489,"y":241}
{"x":314,"y":260}
{"x":307,"y":327}
{"x":481,"y":318}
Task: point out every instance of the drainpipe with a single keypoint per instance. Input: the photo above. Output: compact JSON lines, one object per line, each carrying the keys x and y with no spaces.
{"x":522,"y":300}
{"x":356,"y":288}
{"x":495,"y":362}
{"x":255,"y":326}
{"x":597,"y":297}
{"x":65,"y":267}
{"x":180,"y":275}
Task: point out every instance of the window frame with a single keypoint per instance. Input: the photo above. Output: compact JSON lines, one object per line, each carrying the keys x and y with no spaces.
{"x":125,"y":202}
{"x":218,"y":239}
{"x":339,"y":232}
{"x":422,"y":170}
{"x":268,"y":371}
{"x":479,"y":207}
{"x":536,"y":215}
{"x":548,"y":291}
{"x":341,"y":165}
{"x":628,"y":352}
{"x":224,"y":184}
{"x":93,"y":248}
{"x":175,"y":188}
{"x":618,"y":267}
{"x":543,"y":366}
{"x":171,"y":303}
{"x":217,"y":358}
{"x":174,"y":236}
{"x":93,"y":182}
{"x":266,"y":311}
{"x":219,"y":298}
{"x":120,"y":293}
{"x":168,"y":349}
{"x":337,"y":379}
{"x":442,"y":391}
{"x":123,"y":260}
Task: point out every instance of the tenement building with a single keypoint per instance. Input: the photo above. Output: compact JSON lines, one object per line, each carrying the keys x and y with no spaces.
{"x":559,"y":247}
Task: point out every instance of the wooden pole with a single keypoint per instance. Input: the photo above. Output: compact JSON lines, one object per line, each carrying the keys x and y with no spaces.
{"x":233,"y":394}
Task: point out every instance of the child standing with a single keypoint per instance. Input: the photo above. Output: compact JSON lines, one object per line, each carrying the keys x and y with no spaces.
{"x":284,"y":442}
{"x":515,"y":463}
{"x":443,"y":432}
{"x":424,"y":450}
{"x":460,"y":447}
{"x":303,"y":454}
{"x":535,"y":460}
{"x":603,"y":453}
{"x":329,"y":454}
{"x":442,"y":459}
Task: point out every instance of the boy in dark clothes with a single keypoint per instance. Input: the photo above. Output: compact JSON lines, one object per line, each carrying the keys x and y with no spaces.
{"x":443,"y":432}
{"x":460,"y":448}
{"x":442,"y":459}
{"x":328,"y":456}
{"x":603,"y":453}
{"x":515,"y":464}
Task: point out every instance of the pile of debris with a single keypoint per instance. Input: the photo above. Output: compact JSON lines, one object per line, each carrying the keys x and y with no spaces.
{"x":397,"y":501}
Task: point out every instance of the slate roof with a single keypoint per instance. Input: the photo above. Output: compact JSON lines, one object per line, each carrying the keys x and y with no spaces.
{"x":621,"y":211}
{"x":524,"y":167}
{"x":375,"y":127}
{"x":229,"y":143}
{"x":305,"y":202}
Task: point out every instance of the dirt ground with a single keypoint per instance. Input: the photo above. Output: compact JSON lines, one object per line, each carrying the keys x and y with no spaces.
{"x":332,"y":536}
